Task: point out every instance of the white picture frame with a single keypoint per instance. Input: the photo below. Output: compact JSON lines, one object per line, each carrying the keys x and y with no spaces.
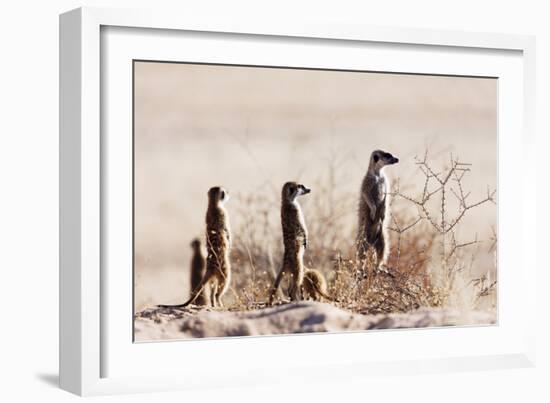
{"x":94,"y":343}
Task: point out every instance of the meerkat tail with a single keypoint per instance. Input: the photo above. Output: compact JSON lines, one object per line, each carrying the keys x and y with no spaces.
{"x":323,"y":294}
{"x":195,"y":295}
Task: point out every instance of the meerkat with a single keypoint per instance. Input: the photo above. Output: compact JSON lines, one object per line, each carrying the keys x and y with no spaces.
{"x":217,"y":275}
{"x":373,"y":202}
{"x":294,"y":240}
{"x":198,"y":267}
{"x":314,"y":286}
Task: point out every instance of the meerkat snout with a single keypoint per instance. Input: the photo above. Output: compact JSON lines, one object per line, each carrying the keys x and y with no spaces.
{"x":303,"y":190}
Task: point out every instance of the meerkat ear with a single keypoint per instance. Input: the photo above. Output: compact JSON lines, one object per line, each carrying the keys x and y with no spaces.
{"x":375,"y":157}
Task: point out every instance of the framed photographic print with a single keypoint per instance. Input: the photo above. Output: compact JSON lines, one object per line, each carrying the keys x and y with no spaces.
{"x":252,"y":193}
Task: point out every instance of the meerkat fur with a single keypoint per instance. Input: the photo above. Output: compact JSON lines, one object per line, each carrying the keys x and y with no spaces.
{"x":314,"y":286}
{"x":198,"y":268}
{"x":295,"y":238}
{"x":373,"y":203}
{"x":217,"y":276}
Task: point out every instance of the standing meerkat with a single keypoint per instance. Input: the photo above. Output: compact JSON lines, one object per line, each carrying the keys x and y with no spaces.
{"x":372,"y":208}
{"x":198,"y":267}
{"x":314,"y":286}
{"x":217,"y":275}
{"x":294,"y":240}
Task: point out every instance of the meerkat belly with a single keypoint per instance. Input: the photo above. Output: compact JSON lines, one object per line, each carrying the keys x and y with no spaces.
{"x":301,"y":222}
{"x":301,"y":252}
{"x":378,"y":192}
{"x":295,"y":253}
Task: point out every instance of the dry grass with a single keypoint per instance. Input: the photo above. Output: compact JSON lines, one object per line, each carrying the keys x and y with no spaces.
{"x":428,"y":265}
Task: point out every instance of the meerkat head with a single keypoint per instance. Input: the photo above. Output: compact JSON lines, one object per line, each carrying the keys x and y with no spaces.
{"x":218,"y":195}
{"x":291,"y":190}
{"x":379,"y":159}
{"x":195,"y":243}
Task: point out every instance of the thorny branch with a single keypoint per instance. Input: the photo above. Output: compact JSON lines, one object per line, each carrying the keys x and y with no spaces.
{"x":449,"y":180}
{"x":443,"y":184}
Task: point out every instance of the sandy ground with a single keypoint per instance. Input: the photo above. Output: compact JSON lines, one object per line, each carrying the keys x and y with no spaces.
{"x":302,"y":317}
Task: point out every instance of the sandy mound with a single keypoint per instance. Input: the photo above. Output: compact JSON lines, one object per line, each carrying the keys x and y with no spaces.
{"x":302,"y":317}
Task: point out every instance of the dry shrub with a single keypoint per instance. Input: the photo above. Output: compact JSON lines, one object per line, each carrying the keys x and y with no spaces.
{"x":427,"y":265}
{"x":256,"y":253}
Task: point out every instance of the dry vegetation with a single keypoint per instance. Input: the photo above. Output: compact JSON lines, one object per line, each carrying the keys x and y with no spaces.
{"x":428,"y":266}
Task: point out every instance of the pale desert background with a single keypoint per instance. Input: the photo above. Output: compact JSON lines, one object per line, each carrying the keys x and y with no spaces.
{"x":252,"y":129}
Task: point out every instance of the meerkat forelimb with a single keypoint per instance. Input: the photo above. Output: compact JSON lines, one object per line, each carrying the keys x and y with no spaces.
{"x":217,"y":276}
{"x":295,"y":240}
{"x":373,"y":203}
{"x":314,"y":286}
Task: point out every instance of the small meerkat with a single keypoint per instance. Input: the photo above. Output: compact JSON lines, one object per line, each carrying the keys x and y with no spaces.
{"x":373,"y":202}
{"x":314,"y":286}
{"x":217,"y":275}
{"x":294,"y":240}
{"x":198,"y":267}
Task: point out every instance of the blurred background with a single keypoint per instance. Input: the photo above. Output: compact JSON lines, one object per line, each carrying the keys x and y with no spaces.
{"x":251,"y":129}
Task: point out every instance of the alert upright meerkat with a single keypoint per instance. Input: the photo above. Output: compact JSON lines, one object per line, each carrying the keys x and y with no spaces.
{"x":373,"y":202}
{"x":217,"y":275}
{"x":198,"y":267}
{"x":314,"y":286}
{"x":294,"y":240}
